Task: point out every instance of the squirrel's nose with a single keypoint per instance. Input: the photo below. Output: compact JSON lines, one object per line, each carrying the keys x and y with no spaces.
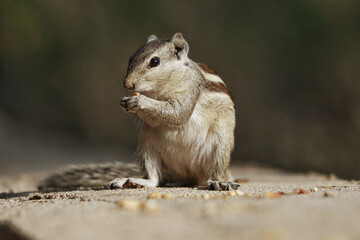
{"x":129,"y":84}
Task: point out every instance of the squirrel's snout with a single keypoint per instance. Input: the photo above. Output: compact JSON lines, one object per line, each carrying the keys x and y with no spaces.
{"x":129,"y":84}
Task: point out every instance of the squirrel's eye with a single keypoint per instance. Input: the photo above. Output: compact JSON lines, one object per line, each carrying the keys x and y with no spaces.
{"x":154,"y":62}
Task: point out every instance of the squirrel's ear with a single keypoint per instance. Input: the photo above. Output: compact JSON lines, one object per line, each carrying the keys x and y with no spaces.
{"x":180,"y":45}
{"x":152,"y":38}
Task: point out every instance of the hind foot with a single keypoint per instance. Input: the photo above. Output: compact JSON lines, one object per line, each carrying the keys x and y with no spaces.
{"x":131,"y":183}
{"x":222,"y":186}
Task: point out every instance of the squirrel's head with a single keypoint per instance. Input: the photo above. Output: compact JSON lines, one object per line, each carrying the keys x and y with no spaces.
{"x":155,"y":62}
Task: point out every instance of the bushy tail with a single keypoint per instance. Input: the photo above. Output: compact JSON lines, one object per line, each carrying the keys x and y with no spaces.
{"x":89,"y":176}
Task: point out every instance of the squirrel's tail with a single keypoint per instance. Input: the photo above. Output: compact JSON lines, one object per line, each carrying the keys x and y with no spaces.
{"x":89,"y":176}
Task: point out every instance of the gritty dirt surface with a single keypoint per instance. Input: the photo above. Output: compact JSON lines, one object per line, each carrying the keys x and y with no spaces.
{"x":270,"y":204}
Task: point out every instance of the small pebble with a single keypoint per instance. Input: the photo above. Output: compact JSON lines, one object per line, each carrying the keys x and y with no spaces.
{"x":314,"y":189}
{"x":300,"y":191}
{"x":239,"y":193}
{"x":231,"y":193}
{"x":129,"y":204}
{"x":167,"y":196}
{"x":274,"y":195}
{"x":218,"y":195}
{"x":205,"y":196}
{"x":155,"y":195}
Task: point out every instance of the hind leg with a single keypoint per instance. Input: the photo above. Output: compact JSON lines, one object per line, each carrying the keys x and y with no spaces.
{"x":221,"y":181}
{"x":151,"y":169}
{"x":224,"y":137}
{"x":221,"y":177}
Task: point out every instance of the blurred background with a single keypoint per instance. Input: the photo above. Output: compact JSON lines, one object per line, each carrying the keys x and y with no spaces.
{"x":292,"y":67}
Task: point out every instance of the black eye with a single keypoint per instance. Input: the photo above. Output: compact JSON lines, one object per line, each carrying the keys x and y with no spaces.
{"x":154,"y":62}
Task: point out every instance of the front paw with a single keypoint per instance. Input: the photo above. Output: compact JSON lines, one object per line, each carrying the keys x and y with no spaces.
{"x":130,"y":104}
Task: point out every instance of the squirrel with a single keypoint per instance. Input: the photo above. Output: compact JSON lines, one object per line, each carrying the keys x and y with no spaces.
{"x":187,"y":123}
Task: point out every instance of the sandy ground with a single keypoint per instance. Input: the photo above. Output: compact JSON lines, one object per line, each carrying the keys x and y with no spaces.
{"x":325,"y":208}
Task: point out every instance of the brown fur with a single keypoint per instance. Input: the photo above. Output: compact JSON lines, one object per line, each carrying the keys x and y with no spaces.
{"x":206,"y":68}
{"x":214,"y":86}
{"x":218,"y":87}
